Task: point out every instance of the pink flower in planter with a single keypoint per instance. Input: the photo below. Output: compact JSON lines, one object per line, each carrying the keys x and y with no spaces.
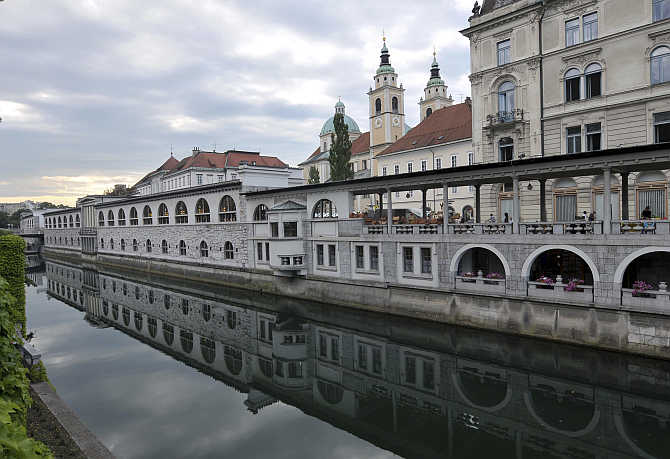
{"x":468,"y":274}
{"x":545,"y":280}
{"x":494,"y":276}
{"x":640,"y":287}
{"x":574,"y":285}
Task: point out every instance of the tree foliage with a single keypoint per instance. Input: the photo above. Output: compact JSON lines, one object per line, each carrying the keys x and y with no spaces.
{"x":340,"y":151}
{"x":12,"y":269}
{"x":313,"y":176}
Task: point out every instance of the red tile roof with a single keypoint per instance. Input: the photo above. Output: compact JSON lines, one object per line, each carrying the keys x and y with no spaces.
{"x":447,"y":124}
{"x":231,"y":158}
{"x":168,"y":165}
{"x":361,"y":144}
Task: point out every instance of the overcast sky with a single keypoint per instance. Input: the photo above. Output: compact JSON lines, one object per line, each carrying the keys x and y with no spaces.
{"x":94,"y":92}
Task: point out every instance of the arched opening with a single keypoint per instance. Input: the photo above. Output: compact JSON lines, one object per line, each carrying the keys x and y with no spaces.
{"x":71,"y":222}
{"x":260,"y":213}
{"x":204,"y":250}
{"x":572,"y":85}
{"x":202,"y":211}
{"x":110,"y":218}
{"x":123,"y":245}
{"x":164,"y":246}
{"x":592,"y":75}
{"x":138,"y":321}
{"x":181,"y":213}
{"x":148,"y":245}
{"x":565,"y":408}
{"x":233,"y":359}
{"x":208,"y":349}
{"x":651,"y":195}
{"x":122,"y":217}
{"x":394,"y":104}
{"x":186,"y":339}
{"x":77,"y":221}
{"x":115,"y":311}
{"x":147,"y":216}
{"x":135,"y":245}
{"x":163,"y":214}
{"x":378,"y":106}
{"x":429,"y":111}
{"x":134,"y":221}
{"x":485,"y":388}
{"x":324,"y":208}
{"x":565,"y":200}
{"x":552,"y":263}
{"x":481,"y":259}
{"x":647,"y":272}
{"x":506,"y":101}
{"x":467,"y":213}
{"x":228,"y":251}
{"x":646,"y":427}
{"x":152,"y":325}
{"x":660,"y":65}
{"x":125,"y":313}
{"x":182,"y":248}
{"x":168,"y":333}
{"x":227,"y":210}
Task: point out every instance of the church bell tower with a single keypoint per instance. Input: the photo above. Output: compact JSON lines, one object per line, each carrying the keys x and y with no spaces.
{"x":435,"y":93}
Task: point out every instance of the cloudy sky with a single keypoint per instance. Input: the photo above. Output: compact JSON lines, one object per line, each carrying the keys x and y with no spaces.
{"x":95,"y":92}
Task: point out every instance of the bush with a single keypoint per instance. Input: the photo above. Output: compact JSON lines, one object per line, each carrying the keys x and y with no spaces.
{"x":12,"y":269}
{"x":14,"y":394}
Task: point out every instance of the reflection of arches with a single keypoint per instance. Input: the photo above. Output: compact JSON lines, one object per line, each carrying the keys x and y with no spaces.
{"x":525,"y":270}
{"x":621,"y":269}
{"x":643,"y":428}
{"x":330,"y":392}
{"x":168,"y":334}
{"x":580,"y":429}
{"x":207,"y":349}
{"x":233,"y":359}
{"x":456,"y":259}
{"x":482,"y":389}
{"x":186,"y":338}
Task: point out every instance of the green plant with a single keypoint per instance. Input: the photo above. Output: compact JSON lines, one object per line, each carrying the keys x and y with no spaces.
{"x":340,"y":151}
{"x":12,"y":269}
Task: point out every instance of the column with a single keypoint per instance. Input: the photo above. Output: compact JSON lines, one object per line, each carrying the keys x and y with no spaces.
{"x":478,"y":202}
{"x":607,"y":201}
{"x":423,"y":203}
{"x":389,"y":212}
{"x":381,"y":204}
{"x":516,"y":218}
{"x":543,"y":200}
{"x":445,"y":208}
{"x":624,"y":196}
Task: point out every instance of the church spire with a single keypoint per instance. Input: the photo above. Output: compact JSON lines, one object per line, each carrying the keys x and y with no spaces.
{"x":435,"y":72}
{"x":385,"y":60}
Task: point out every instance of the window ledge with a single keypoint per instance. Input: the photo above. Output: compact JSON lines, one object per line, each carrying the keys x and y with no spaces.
{"x":418,"y":276}
{"x":326,"y":268}
{"x":367,"y":271}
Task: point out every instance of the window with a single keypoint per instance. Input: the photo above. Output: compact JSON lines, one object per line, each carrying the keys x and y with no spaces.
{"x":227,"y":210}
{"x":428,"y":375}
{"x":135,"y":245}
{"x":374,"y":258}
{"x":384,"y":171}
{"x":454,"y":189}
{"x":572,"y":83}
{"x":660,"y":65}
{"x":290,"y":229}
{"x":504,"y":48}
{"x":426,"y":260}
{"x":198,"y":179}
{"x":378,"y":106}
{"x":409,"y":168}
{"x":396,"y":169}
{"x":182,"y":248}
{"x":208,"y":349}
{"x":168,"y":333}
{"x":111,"y":243}
{"x":274,"y":229}
{"x":148,"y":245}
{"x":453,"y":161}
{"x":259,"y":251}
{"x":260,"y":213}
{"x":267,"y":251}
{"x":334,"y":348}
{"x":163,"y":215}
{"x":181,"y":213}
{"x":424,"y":165}
{"x":228,"y":251}
{"x":438,"y":163}
{"x":147,"y":216}
{"x":661,"y":127}
{"x":360,"y":257}
{"x":593,"y":75}
{"x":122,"y":217}
{"x":410,"y":370}
{"x":285,"y":261}
{"x":324,"y":208}
{"x":184,"y":306}
{"x":123,"y":245}
{"x":506,"y":101}
{"x":429,"y":111}
{"x":110,"y":218}
{"x":364,"y":164}
{"x":590,"y":26}
{"x":572,"y":32}
{"x":574,"y":139}
{"x":506,"y":147}
{"x":362,"y":356}
{"x":204,"y":250}
{"x":394,"y":104}
{"x":102,"y":243}
{"x":164,"y":246}
{"x":319,"y":254}
{"x":471,"y":158}
{"x":593,"y":137}
{"x":77,"y":221}
{"x":186,"y":339}
{"x":331,"y":255}
{"x":295,"y":369}
{"x":408,"y":259}
{"x":661,"y":9}
{"x":202,"y":211}
{"x":134,"y":221}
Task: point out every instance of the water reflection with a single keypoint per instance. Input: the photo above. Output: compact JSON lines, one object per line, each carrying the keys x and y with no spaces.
{"x":416,"y":389}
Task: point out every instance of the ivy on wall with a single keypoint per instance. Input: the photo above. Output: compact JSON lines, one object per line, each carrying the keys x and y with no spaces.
{"x":12,"y":269}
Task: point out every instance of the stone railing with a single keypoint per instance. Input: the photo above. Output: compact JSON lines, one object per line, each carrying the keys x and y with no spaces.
{"x":648,"y":301}
{"x":641,"y":227}
{"x":376,"y":229}
{"x":558,"y":290}
{"x":429,"y":228}
{"x":480,"y":228}
{"x":576,"y":227}
{"x":505,"y":117}
{"x":480,"y":284}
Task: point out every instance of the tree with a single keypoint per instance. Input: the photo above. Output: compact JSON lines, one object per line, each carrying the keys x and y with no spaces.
{"x":340,"y":151}
{"x":4,"y":219}
{"x":313,"y":176}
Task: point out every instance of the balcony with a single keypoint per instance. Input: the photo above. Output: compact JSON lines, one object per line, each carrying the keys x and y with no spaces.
{"x":561,"y":291}
{"x":480,"y":283}
{"x":647,"y":301}
{"x":501,"y":118}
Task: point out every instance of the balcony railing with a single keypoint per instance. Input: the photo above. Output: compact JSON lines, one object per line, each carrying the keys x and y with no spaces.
{"x":505,"y":117}
{"x":560,"y":290}
{"x":641,"y":227}
{"x":480,"y":284}
{"x":480,"y":228}
{"x":576,"y":227}
{"x":648,"y":301}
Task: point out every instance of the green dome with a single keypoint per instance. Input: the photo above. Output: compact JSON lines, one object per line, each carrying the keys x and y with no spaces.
{"x":329,"y":127}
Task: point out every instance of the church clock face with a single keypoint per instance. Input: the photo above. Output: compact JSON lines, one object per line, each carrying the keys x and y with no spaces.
{"x":378,"y":122}
{"x":396,"y":121}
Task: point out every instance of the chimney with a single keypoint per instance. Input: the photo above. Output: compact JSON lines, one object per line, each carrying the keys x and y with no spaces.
{"x":196,"y":150}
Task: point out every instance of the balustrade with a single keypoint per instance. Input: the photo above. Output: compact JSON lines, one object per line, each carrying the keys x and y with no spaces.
{"x":648,"y":300}
{"x":480,"y":283}
{"x":641,"y":227}
{"x":576,"y":293}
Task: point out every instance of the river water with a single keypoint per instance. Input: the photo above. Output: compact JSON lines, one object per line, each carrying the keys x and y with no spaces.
{"x":161,"y":369}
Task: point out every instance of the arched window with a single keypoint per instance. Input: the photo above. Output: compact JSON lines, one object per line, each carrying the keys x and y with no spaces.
{"x":168,"y":333}
{"x":102,"y":243}
{"x":125,"y":312}
{"x":593,"y":74}
{"x":163,"y":215}
{"x":208,"y":349}
{"x":147,"y":216}
{"x":182,"y":248}
{"x":71,"y":222}
{"x":122,"y":217}
{"x":123,"y":245}
{"x":202,"y":211}
{"x":565,"y":200}
{"x":330,"y":392}
{"x":660,"y":65}
{"x":233,"y":359}
{"x":206,"y":312}
{"x":60,"y":223}
{"x":137,"y":292}
{"x":148,"y":245}
{"x":260,"y":213}
{"x":77,"y":222}
{"x":228,"y":252}
{"x":164,"y":246}
{"x":429,"y":111}
{"x":324,"y":208}
{"x":204,"y":250}
{"x":227,"y":210}
{"x":181,"y":213}
{"x":135,"y":245}
{"x":134,"y":221}
{"x":166,"y":301}
{"x":378,"y":106}
{"x":110,"y":218}
{"x":186,"y":339}
{"x":572,"y":84}
{"x":152,"y":324}
{"x":394,"y":104}
{"x":506,"y":101}
{"x":184,"y":306}
{"x":506,"y":149}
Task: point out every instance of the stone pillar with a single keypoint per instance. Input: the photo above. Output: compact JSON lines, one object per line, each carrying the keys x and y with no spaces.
{"x":516,"y":218}
{"x":389,"y":212}
{"x":624,"y":196}
{"x":478,"y":204}
{"x":607,"y":201}
{"x":381,"y":204}
{"x":423,"y":203}
{"x":445,"y":208}
{"x":543,"y":200}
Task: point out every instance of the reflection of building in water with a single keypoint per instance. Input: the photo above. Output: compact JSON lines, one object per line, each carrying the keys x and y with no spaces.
{"x":417,"y":390}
